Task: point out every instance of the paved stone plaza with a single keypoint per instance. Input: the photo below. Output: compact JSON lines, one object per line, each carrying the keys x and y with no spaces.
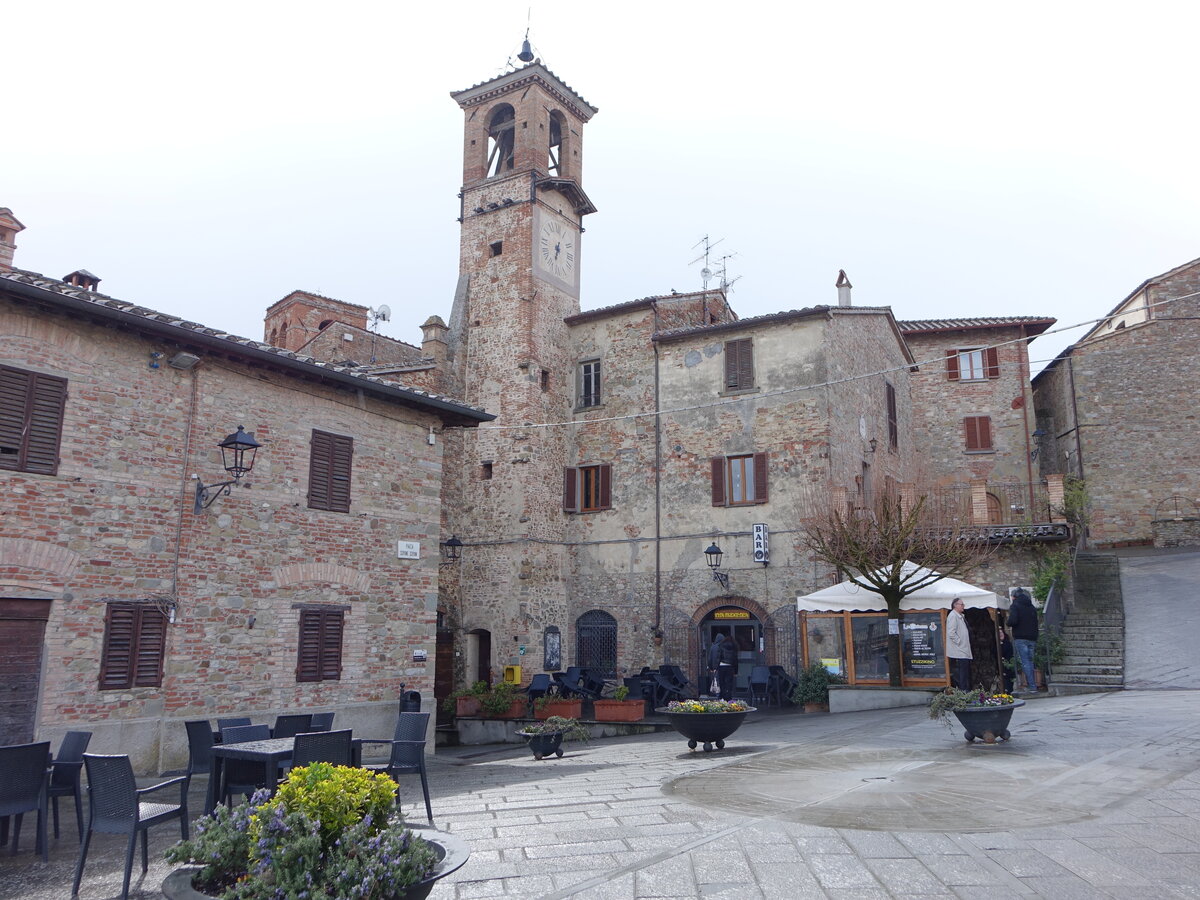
{"x":1096,"y":796}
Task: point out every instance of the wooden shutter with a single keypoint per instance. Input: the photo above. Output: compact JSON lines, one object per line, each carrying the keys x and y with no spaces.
{"x":978,"y":430}
{"x":985,"y":432}
{"x":893,"y":426}
{"x":570,"y":489}
{"x":151,"y":644}
{"x":991,"y":362}
{"x":116,"y":658}
{"x":760,"y":478}
{"x":31,"y":414}
{"x":605,"y":486}
{"x":739,"y":364}
{"x":718,"y":481}
{"x":952,"y":365}
{"x":330,"y":464}
{"x":331,"y":645}
{"x":14,"y":388}
{"x":308,"y":662}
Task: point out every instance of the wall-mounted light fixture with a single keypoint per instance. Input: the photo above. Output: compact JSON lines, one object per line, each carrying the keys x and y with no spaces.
{"x":237,"y":454}
{"x":451,"y":551}
{"x":1037,"y":435}
{"x":713,"y":557}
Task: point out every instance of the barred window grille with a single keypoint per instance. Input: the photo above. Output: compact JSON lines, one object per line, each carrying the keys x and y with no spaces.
{"x":596,"y":642}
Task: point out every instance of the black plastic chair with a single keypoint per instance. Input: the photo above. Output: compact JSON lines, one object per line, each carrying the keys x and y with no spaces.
{"x":334,"y":747}
{"x":290,"y":726}
{"x":783,"y":683}
{"x":640,"y":689}
{"x":675,"y":675}
{"x":665,"y":690}
{"x":64,"y":775}
{"x":23,"y":789}
{"x":408,"y":753}
{"x":200,"y":744}
{"x":760,"y":685}
{"x":242,"y":776}
{"x":115,"y":806}
{"x":568,"y":681}
{"x":322,"y":721}
{"x":238,"y":722}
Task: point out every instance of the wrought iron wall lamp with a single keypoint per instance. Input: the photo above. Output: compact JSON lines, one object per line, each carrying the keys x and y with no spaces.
{"x":237,"y":454}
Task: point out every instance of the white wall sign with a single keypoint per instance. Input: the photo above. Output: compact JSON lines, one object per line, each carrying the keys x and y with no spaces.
{"x":762,"y":547}
{"x":408,"y":550}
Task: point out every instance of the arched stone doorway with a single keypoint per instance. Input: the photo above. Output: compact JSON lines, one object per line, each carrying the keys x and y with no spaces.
{"x":740,"y":618}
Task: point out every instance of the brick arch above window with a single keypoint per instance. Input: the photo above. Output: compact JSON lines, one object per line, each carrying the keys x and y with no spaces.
{"x":753,"y":607}
{"x":329,"y":573}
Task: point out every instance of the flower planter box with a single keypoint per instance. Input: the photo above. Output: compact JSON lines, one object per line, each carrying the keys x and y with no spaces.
{"x":568,"y":709}
{"x":619,"y":710}
{"x":466,"y":706}
{"x":518,"y":709}
{"x":816,"y":707}
{"x":988,"y":723}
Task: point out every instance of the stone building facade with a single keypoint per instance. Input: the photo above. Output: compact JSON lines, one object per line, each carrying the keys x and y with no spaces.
{"x":124,"y":610}
{"x":1118,"y":410}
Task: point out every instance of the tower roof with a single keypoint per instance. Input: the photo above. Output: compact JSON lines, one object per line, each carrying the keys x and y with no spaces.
{"x":534,"y":73}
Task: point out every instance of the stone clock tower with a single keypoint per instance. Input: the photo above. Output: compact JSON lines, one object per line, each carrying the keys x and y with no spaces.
{"x":522,"y":206}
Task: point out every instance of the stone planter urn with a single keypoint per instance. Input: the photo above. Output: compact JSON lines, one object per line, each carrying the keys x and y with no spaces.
{"x":707,"y":728}
{"x":988,"y":723}
{"x":544,"y":744}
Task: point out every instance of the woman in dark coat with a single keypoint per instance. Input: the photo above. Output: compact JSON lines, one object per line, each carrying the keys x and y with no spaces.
{"x":727,"y":669}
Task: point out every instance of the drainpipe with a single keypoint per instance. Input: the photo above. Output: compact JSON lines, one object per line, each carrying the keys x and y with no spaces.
{"x":657,"y":484}
{"x":1075,"y":415}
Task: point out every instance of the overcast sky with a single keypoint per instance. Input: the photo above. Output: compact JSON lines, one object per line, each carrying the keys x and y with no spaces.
{"x":955,"y":159}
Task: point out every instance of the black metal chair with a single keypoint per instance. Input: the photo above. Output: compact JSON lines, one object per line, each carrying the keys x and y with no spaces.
{"x":242,"y":776}
{"x":675,"y":675}
{"x":64,"y":775}
{"x":760,"y":685}
{"x":322,"y":721}
{"x":290,"y":726}
{"x":23,"y":789}
{"x":785,"y":684}
{"x":592,"y":684}
{"x":568,"y":681}
{"x":334,"y":747}
{"x":115,"y":806}
{"x":640,"y":689}
{"x":665,"y":690}
{"x":408,"y":753}
{"x":238,"y":722}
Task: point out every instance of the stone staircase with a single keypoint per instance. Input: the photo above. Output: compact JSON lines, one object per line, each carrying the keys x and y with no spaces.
{"x":1094,"y":632}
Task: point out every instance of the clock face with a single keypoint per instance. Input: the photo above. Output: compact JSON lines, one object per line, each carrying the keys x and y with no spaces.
{"x":557,"y":249}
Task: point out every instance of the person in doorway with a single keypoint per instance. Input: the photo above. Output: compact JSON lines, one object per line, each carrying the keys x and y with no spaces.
{"x":714,"y":662}
{"x":727,"y":667}
{"x":1023,"y":622}
{"x":958,"y":646}
{"x":1006,"y":659}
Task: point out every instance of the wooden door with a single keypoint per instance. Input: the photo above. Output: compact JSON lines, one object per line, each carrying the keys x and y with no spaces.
{"x":22,"y":630}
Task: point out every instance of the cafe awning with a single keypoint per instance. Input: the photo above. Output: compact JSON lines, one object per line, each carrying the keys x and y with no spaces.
{"x":849,"y":597}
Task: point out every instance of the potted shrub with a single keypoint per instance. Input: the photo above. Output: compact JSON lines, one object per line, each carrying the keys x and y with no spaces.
{"x":812,"y":688}
{"x":620,"y":709}
{"x":466,"y":702}
{"x":556,"y":705}
{"x":706,"y":721}
{"x":547,"y":737}
{"x":503,"y":701}
{"x":983,"y":714}
{"x":329,"y":831}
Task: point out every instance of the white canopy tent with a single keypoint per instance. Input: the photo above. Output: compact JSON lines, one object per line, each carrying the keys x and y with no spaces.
{"x":849,"y":597}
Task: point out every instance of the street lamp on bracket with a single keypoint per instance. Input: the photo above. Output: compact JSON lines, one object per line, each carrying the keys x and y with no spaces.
{"x":237,"y":455}
{"x":713,"y":557}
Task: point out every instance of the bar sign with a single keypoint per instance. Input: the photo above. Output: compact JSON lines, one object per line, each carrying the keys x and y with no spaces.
{"x":762,"y":547}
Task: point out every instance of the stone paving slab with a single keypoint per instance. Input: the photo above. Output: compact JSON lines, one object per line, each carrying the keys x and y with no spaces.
{"x":1095,"y":796}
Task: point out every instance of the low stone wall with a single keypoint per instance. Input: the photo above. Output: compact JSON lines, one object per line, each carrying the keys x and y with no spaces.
{"x":855,"y":697}
{"x":504,"y":731}
{"x":1177,"y":532}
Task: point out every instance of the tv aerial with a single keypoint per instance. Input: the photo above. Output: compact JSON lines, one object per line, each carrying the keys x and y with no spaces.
{"x":380,"y":313}
{"x":708,"y":272}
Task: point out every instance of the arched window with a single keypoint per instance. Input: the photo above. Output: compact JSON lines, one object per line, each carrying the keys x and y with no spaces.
{"x":557,"y":127}
{"x":282,"y":335}
{"x":501,"y":135}
{"x":325,"y":324}
{"x":274,"y":337}
{"x":596,"y":642}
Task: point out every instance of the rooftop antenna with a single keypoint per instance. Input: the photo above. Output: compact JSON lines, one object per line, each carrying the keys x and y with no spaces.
{"x":381,"y":313}
{"x":706,"y":273}
{"x":723,"y":271}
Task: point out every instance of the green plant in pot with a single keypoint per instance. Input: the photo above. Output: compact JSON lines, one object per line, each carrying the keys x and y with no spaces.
{"x":330,"y":832}
{"x":499,"y":700}
{"x":476,"y":692}
{"x":547,"y":736}
{"x":812,"y":685}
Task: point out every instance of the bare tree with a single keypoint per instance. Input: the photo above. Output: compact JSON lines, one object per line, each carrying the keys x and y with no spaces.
{"x":871,"y":545}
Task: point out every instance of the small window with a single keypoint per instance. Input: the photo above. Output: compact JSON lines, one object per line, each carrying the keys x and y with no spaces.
{"x":587,"y":488}
{"x":739,"y":365}
{"x":545,"y":379}
{"x":319,"y":657}
{"x":977,"y":364}
{"x":497,"y":247}
{"x":329,"y":469}
{"x":589,"y":383}
{"x":739,"y":480}
{"x":892,"y":423}
{"x":135,"y":638}
{"x":978,"y":431}
{"x":485,"y":471}
{"x":31,"y":417}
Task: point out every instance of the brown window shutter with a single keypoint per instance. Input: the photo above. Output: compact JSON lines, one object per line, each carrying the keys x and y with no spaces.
{"x":760,"y":478}
{"x":151,"y":647}
{"x":972,"y":432}
{"x":985,"y":432}
{"x":331,"y":645}
{"x":308,"y":663}
{"x":49,"y":396}
{"x":320,"y":464}
{"x":116,"y":658}
{"x":746,"y":365}
{"x":952,"y":365}
{"x":570,"y":489}
{"x":978,"y":431}
{"x":893,"y":426}
{"x":992,"y":359}
{"x":339,"y":475}
{"x":731,"y":364}
{"x":605,"y":486}
{"x":14,"y":389}
{"x":718,"y":481}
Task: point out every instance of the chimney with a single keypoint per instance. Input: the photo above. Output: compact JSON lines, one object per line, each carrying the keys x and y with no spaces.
{"x":843,"y":288}
{"x":82,"y":278}
{"x":433,"y":342}
{"x":9,"y":226}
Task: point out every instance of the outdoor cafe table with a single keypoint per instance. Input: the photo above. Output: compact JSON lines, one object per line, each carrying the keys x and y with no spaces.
{"x":270,"y":753}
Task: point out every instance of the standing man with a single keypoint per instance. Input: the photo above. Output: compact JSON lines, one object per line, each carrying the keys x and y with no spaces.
{"x":727,"y":667}
{"x":714,"y":661}
{"x":1023,"y":622}
{"x":958,"y":646}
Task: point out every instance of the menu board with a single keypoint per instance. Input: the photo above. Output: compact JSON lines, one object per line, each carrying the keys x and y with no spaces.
{"x":924,"y":656}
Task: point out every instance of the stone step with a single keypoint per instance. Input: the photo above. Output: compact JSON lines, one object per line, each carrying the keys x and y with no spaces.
{"x":1064,"y":671}
{"x":1087,"y":662}
{"x":1093,"y":620}
{"x":1073,"y":657}
{"x":1093,"y":633}
{"x":1067,"y":688}
{"x":1111,"y":680}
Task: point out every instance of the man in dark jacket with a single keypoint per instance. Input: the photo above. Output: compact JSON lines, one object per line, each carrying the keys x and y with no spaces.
{"x":1023,"y":622}
{"x":714,"y":658}
{"x":727,"y":667}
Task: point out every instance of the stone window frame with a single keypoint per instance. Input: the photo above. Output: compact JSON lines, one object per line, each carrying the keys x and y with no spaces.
{"x":589,"y":383}
{"x":754,"y":489}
